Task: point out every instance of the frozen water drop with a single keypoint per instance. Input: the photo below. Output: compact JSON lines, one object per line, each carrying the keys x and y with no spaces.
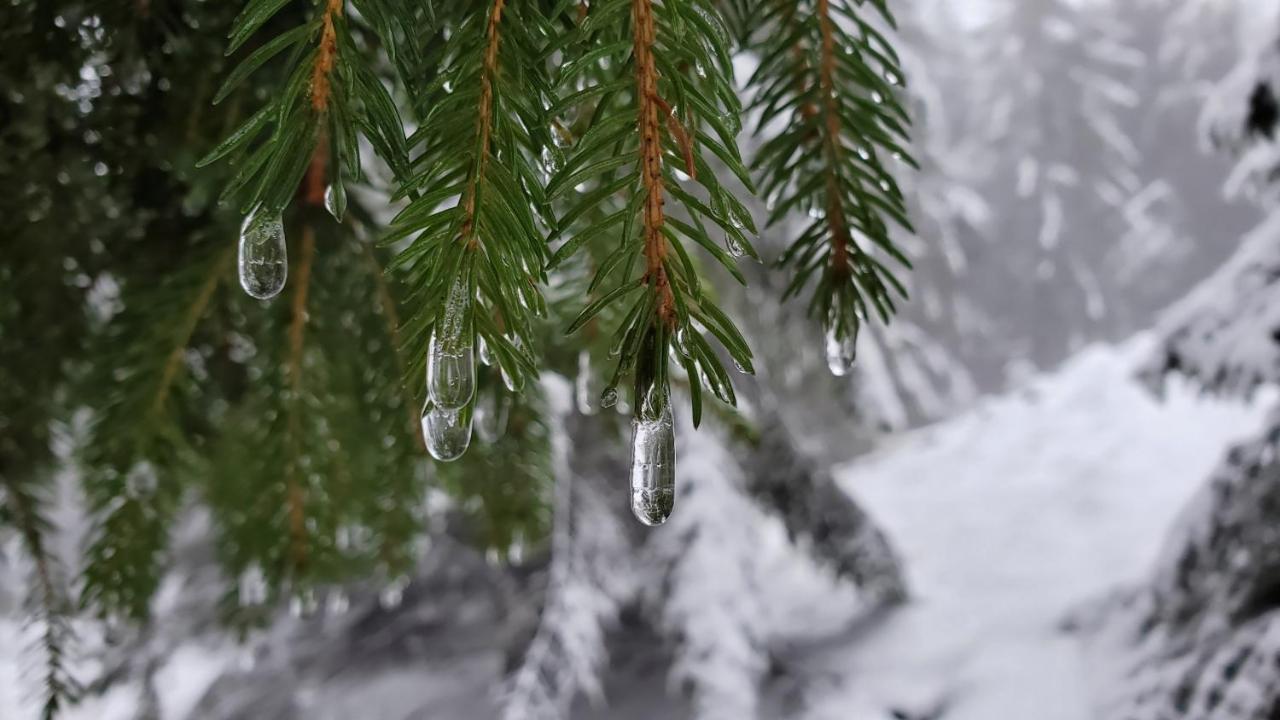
{"x":451,"y":365}
{"x":447,"y":432}
{"x":732,"y":246}
{"x":335,"y":200}
{"x":552,"y":161}
{"x":744,"y":369}
{"x":841,"y":352}
{"x":264,"y":259}
{"x":653,"y":467}
{"x":609,"y":397}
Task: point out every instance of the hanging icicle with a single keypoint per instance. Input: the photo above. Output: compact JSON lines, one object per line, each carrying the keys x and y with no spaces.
{"x":447,"y":431}
{"x":264,"y":258}
{"x":451,"y":365}
{"x":653,"y":467}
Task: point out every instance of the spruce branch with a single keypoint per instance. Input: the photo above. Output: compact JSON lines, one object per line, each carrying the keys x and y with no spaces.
{"x":391,"y":316}
{"x":327,"y":99}
{"x":23,"y":510}
{"x":647,"y":105}
{"x":646,"y":100}
{"x":834,"y":75}
{"x":134,"y":456}
{"x":476,"y":249}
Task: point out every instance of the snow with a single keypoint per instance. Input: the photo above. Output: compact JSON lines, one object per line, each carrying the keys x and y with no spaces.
{"x":1008,"y":517}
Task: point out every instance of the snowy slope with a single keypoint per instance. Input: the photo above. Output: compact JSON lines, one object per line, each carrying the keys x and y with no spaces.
{"x":1008,"y":516}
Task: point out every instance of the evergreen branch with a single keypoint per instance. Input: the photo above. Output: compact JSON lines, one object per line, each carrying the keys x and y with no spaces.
{"x":327,"y":99}
{"x":173,"y":364}
{"x":477,"y":252}
{"x":670,"y":71}
{"x":831,"y":143}
{"x":484,"y":124}
{"x":133,"y":454}
{"x":326,"y":56}
{"x":295,"y":494}
{"x":45,"y":594}
{"x":841,"y":93}
{"x":392,"y":323}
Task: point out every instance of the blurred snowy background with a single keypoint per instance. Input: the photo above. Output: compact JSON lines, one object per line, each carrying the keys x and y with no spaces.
{"x":1049,"y":491}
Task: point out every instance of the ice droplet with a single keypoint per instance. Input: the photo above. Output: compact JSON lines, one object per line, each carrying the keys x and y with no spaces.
{"x":841,"y":352}
{"x":447,"y":432}
{"x":653,"y":467}
{"x":609,"y":397}
{"x":451,"y":362}
{"x":582,"y":384}
{"x":335,"y":200}
{"x":732,"y":245}
{"x":681,"y":341}
{"x":264,"y":259}
{"x":552,"y":161}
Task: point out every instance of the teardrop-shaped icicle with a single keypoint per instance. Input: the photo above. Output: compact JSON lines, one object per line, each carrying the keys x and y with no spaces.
{"x":264,"y":259}
{"x":653,"y":468}
{"x":447,"y":432}
{"x":451,"y":360}
{"x":335,"y":200}
{"x":841,"y":352}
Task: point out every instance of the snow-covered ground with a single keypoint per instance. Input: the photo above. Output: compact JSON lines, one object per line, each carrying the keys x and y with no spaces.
{"x":1008,"y":516}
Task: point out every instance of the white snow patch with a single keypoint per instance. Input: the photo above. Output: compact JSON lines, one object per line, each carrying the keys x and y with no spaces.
{"x":1007,"y":516}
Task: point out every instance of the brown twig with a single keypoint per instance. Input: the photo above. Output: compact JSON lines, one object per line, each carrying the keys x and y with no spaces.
{"x":326,"y":56}
{"x":650,"y":127}
{"x":295,"y":495}
{"x":484,"y":122}
{"x":392,"y":317}
{"x":189,"y":321}
{"x":835,"y":207}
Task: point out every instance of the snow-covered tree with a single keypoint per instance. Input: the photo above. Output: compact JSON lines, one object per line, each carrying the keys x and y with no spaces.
{"x":1200,"y":640}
